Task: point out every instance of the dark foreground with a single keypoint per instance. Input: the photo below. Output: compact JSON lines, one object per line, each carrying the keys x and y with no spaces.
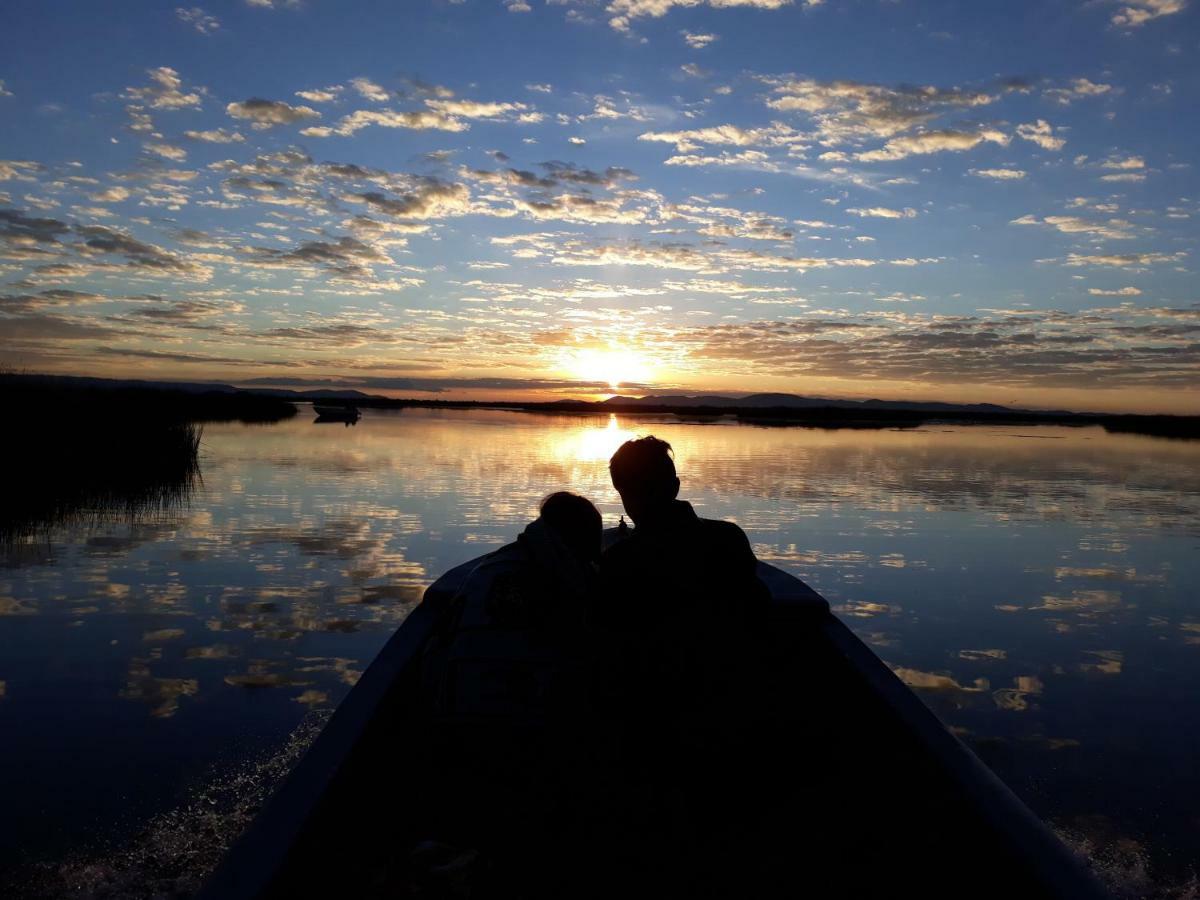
{"x":841,"y":783}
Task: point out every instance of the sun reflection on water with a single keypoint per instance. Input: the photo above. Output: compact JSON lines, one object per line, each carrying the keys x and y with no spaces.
{"x":591,"y":444}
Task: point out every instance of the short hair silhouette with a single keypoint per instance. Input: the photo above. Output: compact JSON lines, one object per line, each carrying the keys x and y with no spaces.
{"x":643,"y":472}
{"x":576,"y":521}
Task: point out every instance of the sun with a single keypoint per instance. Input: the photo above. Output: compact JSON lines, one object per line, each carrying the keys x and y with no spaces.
{"x":614,"y":365}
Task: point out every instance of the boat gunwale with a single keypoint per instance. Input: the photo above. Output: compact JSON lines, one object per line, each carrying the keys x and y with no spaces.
{"x":261,"y":854}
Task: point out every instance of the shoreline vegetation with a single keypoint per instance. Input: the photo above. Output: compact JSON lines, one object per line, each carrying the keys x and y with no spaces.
{"x":199,"y":402}
{"x":88,"y":456}
{"x":1182,"y":427}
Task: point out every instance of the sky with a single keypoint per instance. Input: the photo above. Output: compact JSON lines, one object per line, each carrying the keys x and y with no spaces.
{"x":529,"y":199}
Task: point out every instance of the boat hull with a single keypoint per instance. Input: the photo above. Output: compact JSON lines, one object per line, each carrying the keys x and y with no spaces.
{"x":853,"y":789}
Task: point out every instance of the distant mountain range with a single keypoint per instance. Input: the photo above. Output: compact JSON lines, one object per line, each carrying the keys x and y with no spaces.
{"x":794,"y":401}
{"x":673,"y":401}
{"x":217,"y":401}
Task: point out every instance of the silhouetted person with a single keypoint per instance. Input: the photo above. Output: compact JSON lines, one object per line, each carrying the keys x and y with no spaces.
{"x":506,"y":678}
{"x":681,"y":624}
{"x":673,"y":563}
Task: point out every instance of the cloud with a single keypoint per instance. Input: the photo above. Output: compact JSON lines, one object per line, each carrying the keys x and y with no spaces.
{"x":472,"y":109}
{"x":1078,"y":88}
{"x":1119,"y":292}
{"x":429,"y":198}
{"x":215,"y":136}
{"x":698,"y":41}
{"x":53,"y":328}
{"x":1139,"y":12}
{"x":999,"y":174}
{"x":622,"y":11}
{"x":336,"y":334}
{"x":198,"y":19}
{"x":751,"y":158}
{"x":517,"y":6}
{"x":606,"y":108}
{"x":689,"y":257}
{"x":417,"y":120}
{"x":269,"y":113}
{"x":164,"y":91}
{"x":368,"y":89}
{"x":776,"y":134}
{"x":321,"y":95}
{"x":185,"y":311}
{"x":1122,"y":347}
{"x":114,"y":194}
{"x":1129,"y":162}
{"x":1113,"y":229}
{"x":345,"y":257}
{"x":1122,"y":260}
{"x":1125,"y":177}
{"x":853,"y":110}
{"x":933,"y":142}
{"x":882,"y":212}
{"x":1041,"y":133}
{"x":4,"y":91}
{"x":19,"y":169}
{"x":22,"y":304}
{"x":166,"y":151}
{"x":98,"y":239}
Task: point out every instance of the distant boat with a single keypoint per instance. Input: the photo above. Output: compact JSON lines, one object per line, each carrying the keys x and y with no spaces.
{"x":861,"y":791}
{"x":329,"y":413}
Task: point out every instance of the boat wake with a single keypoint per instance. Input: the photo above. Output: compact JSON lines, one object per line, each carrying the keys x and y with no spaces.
{"x":1125,"y":868}
{"x":176,"y":850}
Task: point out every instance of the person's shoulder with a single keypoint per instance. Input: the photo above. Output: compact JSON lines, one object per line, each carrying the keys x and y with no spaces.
{"x":719,"y":528}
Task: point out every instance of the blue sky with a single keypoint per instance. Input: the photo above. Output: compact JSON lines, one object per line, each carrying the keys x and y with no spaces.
{"x":968,"y":201}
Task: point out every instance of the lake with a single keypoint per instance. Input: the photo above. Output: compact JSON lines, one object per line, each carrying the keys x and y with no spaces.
{"x":1036,"y":585}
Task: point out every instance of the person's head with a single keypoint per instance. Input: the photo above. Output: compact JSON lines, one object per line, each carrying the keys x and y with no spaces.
{"x":643,"y":473}
{"x":576,"y":522}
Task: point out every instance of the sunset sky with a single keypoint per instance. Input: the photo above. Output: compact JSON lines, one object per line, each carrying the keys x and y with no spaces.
{"x":976,"y":201}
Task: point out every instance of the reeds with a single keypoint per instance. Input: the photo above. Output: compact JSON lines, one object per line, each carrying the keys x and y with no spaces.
{"x":79,"y":457}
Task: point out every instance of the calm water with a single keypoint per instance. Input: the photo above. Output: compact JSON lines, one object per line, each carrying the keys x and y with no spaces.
{"x":1037,"y":586}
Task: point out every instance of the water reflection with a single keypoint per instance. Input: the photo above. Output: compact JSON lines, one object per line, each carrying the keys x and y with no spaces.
{"x":1014,"y":582}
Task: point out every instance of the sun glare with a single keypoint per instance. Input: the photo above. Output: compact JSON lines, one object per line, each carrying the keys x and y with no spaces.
{"x":590,"y":444}
{"x":614,"y":366}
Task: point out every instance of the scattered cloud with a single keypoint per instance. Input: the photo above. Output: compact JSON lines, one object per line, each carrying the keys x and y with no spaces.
{"x":321,"y":95}
{"x":269,"y":113}
{"x":621,"y":12}
{"x":698,"y":40}
{"x":1076,"y":89}
{"x":882,"y":212}
{"x":849,"y":111}
{"x":1041,"y":133}
{"x":999,"y":174}
{"x":1118,"y":292}
{"x":370,"y":90}
{"x":1122,"y":260}
{"x":417,"y":120}
{"x":1113,"y":229}
{"x":933,"y":142}
{"x":215,"y":136}
{"x":1138,"y":12}
{"x":165,"y":91}
{"x":198,"y":19}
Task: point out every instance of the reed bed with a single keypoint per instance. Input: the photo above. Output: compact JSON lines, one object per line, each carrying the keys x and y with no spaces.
{"x":89,"y":457}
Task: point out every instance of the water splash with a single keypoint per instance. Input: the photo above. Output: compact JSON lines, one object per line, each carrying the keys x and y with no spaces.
{"x":1124,"y":867}
{"x":176,"y":850}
